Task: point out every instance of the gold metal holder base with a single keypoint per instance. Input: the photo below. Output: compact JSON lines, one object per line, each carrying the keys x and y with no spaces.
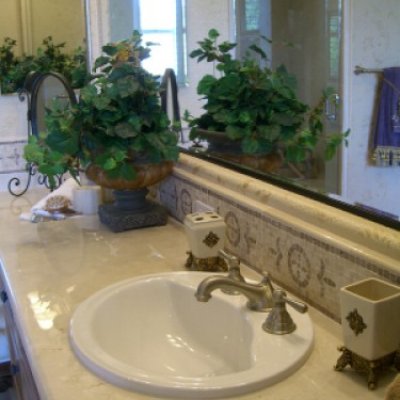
{"x":209,"y":264}
{"x":370,"y":368}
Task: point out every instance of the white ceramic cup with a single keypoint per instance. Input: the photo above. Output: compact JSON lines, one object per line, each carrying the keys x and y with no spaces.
{"x":86,"y":199}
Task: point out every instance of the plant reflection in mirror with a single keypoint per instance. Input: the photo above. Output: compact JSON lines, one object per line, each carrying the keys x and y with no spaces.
{"x":258,"y":106}
{"x":51,"y":57}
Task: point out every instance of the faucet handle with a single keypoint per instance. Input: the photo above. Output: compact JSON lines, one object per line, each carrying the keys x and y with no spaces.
{"x":297,"y":305}
{"x":266,"y":281}
{"x":279,"y":321}
{"x":233,"y":270}
{"x":232,"y":261}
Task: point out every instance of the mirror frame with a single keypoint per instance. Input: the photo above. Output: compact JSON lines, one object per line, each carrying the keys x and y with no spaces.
{"x":33,"y":84}
{"x":292,"y":187}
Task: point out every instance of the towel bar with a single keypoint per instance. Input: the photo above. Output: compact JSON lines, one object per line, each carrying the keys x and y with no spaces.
{"x":361,"y":70}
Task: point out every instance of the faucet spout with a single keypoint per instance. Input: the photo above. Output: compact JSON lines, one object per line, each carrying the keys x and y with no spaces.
{"x":259,"y":295}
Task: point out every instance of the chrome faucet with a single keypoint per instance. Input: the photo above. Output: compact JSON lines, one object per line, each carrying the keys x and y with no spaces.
{"x":259,"y":295}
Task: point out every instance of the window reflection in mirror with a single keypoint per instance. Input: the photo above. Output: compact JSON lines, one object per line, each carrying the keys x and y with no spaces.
{"x":165,"y":28}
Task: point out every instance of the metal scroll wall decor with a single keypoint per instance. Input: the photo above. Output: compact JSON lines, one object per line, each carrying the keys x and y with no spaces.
{"x":32,"y":91}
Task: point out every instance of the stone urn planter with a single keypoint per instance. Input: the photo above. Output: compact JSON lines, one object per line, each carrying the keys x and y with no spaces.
{"x":131,"y":209}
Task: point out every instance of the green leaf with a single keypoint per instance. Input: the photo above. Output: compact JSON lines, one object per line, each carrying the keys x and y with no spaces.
{"x":270,"y":132}
{"x":136,"y":122}
{"x":245,"y":117}
{"x":196,"y":53}
{"x":33,"y":152}
{"x":121,"y":72}
{"x":51,"y":170}
{"x":205,"y":84}
{"x":127,"y":86}
{"x":100,"y":61}
{"x":225,"y":47}
{"x":295,"y":153}
{"x":63,"y":142}
{"x":258,"y":50}
{"x":234,"y":132}
{"x":101,"y":102}
{"x":330,"y":151}
{"x":88,"y":93}
{"x":250,"y":145}
{"x":125,"y":130}
{"x":110,"y":49}
{"x":120,"y":155}
{"x":109,"y":164}
{"x":126,"y":171}
{"x":213,"y":34}
{"x":285,"y":118}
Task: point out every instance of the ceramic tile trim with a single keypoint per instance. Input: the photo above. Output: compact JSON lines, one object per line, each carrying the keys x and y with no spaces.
{"x":11,"y":156}
{"x":336,"y":226}
{"x":312,"y":262}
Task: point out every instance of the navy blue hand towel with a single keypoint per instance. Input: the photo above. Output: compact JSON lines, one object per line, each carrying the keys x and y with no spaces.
{"x":387,"y":133}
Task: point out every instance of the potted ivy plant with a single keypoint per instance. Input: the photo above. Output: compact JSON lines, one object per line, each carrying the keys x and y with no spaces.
{"x":253,"y":113}
{"x":117,"y":133}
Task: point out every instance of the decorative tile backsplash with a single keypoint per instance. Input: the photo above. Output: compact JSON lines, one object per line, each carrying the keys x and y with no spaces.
{"x":304,"y":264}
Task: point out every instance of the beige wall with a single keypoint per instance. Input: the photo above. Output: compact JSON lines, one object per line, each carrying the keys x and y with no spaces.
{"x":29,"y":22}
{"x":374,"y":43}
{"x":303,"y":24}
{"x":63,"y":20}
{"x":10,"y":17}
{"x":201,"y":16}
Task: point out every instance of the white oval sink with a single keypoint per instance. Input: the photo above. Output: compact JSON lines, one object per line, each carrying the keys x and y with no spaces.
{"x":150,"y":334}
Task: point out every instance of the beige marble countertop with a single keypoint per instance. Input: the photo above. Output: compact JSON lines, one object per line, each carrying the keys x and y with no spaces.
{"x":51,"y":267}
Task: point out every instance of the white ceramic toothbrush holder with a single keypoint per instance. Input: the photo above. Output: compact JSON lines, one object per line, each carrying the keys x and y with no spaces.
{"x":370,"y":311}
{"x":206,"y":233}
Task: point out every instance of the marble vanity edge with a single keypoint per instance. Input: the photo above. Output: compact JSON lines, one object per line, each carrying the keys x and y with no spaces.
{"x":348,"y":232}
{"x":22,"y":327}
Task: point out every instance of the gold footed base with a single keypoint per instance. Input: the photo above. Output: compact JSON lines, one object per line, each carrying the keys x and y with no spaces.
{"x":370,"y":368}
{"x":209,"y":264}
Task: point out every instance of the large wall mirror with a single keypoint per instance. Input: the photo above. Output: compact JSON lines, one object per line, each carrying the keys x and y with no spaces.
{"x":330,"y":37}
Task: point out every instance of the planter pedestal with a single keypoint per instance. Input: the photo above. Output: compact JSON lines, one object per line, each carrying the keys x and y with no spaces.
{"x":371,"y":368}
{"x":131,"y":210}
